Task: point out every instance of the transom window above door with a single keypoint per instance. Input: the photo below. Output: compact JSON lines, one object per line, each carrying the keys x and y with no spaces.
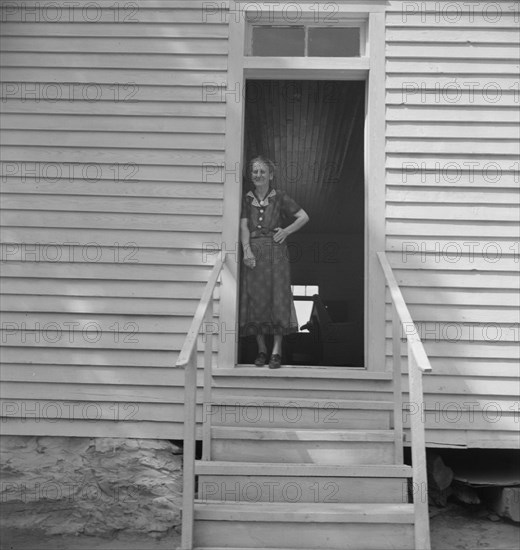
{"x":305,"y":41}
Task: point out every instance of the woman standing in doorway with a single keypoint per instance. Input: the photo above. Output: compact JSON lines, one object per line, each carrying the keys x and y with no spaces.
{"x":266,"y":303}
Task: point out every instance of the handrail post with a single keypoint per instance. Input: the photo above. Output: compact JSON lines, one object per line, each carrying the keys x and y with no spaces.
{"x":398,"y":395}
{"x":420,"y":481}
{"x":188,"y":491}
{"x":188,"y":359}
{"x":417,"y":364}
{"x":207,"y":407}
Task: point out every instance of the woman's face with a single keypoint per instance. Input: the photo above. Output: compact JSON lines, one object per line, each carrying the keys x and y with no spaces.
{"x":260,"y":174}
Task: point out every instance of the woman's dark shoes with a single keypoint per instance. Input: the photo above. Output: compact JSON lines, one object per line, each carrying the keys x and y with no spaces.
{"x":275,"y":362}
{"x":261,"y":359}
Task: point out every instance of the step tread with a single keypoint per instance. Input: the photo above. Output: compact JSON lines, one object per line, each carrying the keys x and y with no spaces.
{"x":303,"y":434}
{"x":304,"y":512}
{"x":273,"y":401}
{"x":218,"y":467}
{"x":302,"y":372}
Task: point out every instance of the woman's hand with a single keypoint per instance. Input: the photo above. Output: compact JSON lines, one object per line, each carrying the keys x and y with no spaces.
{"x":280,"y":235}
{"x":249,"y":258}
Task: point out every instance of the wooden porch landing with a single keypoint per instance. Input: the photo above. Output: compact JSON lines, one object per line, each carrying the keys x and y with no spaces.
{"x":302,"y":371}
{"x":301,"y":457}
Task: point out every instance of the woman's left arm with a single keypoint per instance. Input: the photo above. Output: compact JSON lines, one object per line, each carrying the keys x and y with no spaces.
{"x":301,"y":219}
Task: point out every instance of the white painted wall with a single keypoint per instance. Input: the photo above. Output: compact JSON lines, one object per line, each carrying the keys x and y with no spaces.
{"x":90,"y":330}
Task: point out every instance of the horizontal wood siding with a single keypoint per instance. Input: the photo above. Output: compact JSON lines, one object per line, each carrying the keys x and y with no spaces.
{"x":106,"y":205}
{"x":452,"y":209}
{"x":110,"y":111}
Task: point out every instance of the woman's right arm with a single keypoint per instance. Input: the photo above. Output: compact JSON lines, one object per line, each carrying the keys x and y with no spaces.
{"x":249,"y":257}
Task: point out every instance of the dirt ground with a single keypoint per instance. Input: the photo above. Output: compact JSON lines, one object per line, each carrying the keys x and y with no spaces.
{"x":452,"y":528}
{"x":469,"y":528}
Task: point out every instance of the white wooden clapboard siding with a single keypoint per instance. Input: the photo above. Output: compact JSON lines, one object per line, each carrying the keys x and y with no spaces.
{"x":90,"y":333}
{"x":453,"y":120}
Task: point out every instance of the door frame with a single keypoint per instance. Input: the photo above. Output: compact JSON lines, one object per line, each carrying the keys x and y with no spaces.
{"x":369,"y":67}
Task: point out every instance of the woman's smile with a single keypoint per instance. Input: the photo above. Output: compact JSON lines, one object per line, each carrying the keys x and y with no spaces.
{"x":260,"y":174}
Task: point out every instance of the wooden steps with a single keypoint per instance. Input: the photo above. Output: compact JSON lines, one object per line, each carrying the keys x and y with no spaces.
{"x":306,"y":445}
{"x":316,"y":484}
{"x":299,"y":412}
{"x":304,"y":512}
{"x":299,"y":458}
{"x":327,"y":383}
{"x":304,"y":525}
{"x":238,"y":400}
{"x":271,"y":482}
{"x":203,"y":467}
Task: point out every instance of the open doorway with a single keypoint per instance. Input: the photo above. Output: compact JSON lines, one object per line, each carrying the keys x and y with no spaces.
{"x":314,"y":131}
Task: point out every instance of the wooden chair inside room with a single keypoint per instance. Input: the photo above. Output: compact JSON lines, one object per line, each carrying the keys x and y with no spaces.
{"x":337,"y":339}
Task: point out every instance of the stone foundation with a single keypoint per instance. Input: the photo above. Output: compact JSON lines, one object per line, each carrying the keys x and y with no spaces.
{"x":90,"y":486}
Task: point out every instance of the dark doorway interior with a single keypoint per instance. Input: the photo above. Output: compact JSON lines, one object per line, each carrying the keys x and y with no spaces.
{"x":314,"y":132}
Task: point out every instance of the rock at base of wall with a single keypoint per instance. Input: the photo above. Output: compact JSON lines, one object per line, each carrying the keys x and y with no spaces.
{"x":91,"y":486}
{"x":506,"y":502}
{"x":440,"y":477}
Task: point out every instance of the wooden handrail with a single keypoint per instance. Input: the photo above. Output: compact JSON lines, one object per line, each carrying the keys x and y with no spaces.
{"x":198,"y":318}
{"x":188,"y":359}
{"x":407,"y":324}
{"x":418,"y":364}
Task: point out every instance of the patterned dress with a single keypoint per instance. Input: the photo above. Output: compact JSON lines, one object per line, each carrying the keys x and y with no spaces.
{"x":266,"y":302}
